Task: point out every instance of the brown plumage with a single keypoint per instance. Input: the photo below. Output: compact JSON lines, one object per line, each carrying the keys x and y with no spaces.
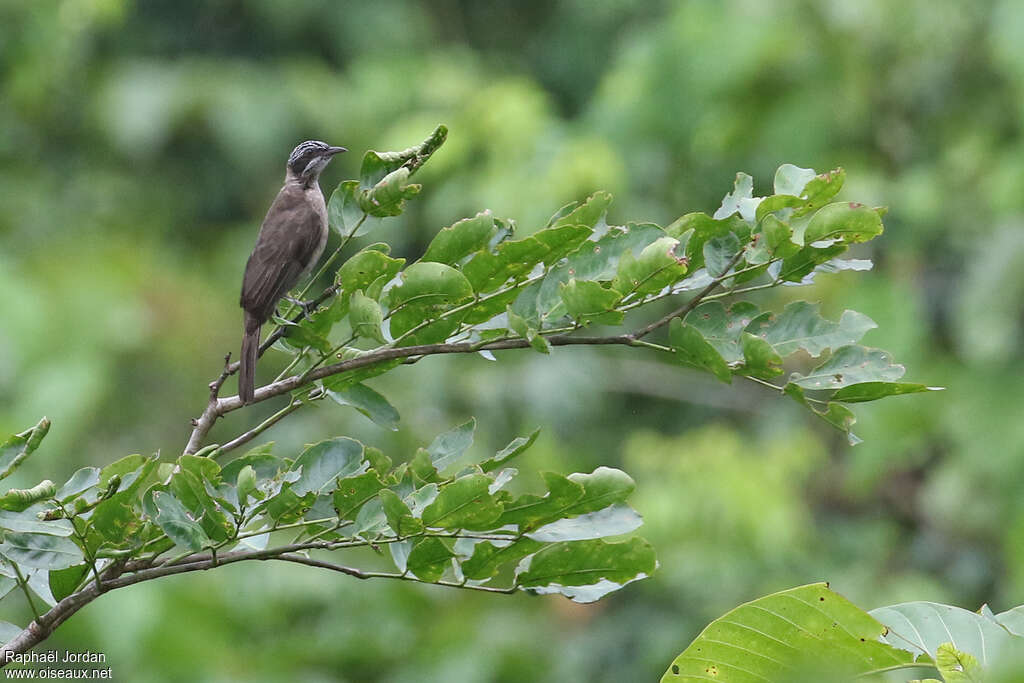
{"x":289,"y":244}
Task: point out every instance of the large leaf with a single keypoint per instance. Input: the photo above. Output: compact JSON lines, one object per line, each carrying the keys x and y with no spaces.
{"x":588,"y":302}
{"x":800,"y":326}
{"x":18,"y":447}
{"x":515,"y":259}
{"x":368,"y":402}
{"x":175,"y":521}
{"x":324,"y":462}
{"x":448,"y":448}
{"x":786,"y":636}
{"x":597,"y":565}
{"x":366,"y":267}
{"x":850,"y":365}
{"x":872,"y":391}
{"x":691,"y":348}
{"x":723,"y":327}
{"x":429,"y":558}
{"x":921,"y":627}
{"x":459,"y":240}
{"x":466,"y":503}
{"x":42,"y":551}
{"x":428,"y":291}
{"x":489,"y":556}
{"x":610,"y":521}
{"x":355,"y":491}
{"x":848,"y":222}
{"x":655,"y":267}
{"x":387,"y":197}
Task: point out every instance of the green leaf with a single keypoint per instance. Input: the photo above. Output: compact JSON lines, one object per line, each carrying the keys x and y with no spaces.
{"x":956,"y":666}
{"x":447,"y":448}
{"x":850,"y":365}
{"x":691,"y":348}
{"x":28,"y":521}
{"x":849,"y":222}
{"x":696,"y":229}
{"x":794,"y":268}
{"x":366,"y":267}
{"x":366,"y":317}
{"x":18,"y":447}
{"x":246,"y":484}
{"x":589,"y":213}
{"x":723,"y":327}
{"x":259,"y":458}
{"x":872,"y":391}
{"x":778,"y":238}
{"x":786,"y":636}
{"x":564,"y":567}
{"x":655,"y":268}
{"x":300,"y":336}
{"x":344,"y":212}
{"x":588,"y":302}
{"x":369,"y":403}
{"x":429,"y":559}
{"x":599,"y":260}
{"x":387,"y":197}
{"x":188,"y":484}
{"x":922,"y":627}
{"x":515,"y":259}
{"x":514,"y":448}
{"x":354,"y":492}
{"x":529,"y":511}
{"x":42,"y":551}
{"x":759,"y":358}
{"x":464,"y":504}
{"x":428,"y":291}
{"x":64,"y":582}
{"x":378,"y":164}
{"x":522,"y":327}
{"x":836,"y":414}
{"x":740,"y":200}
{"x":719,"y":253}
{"x":175,"y":521}
{"x":80,"y":482}
{"x":399,"y":517}
{"x":454,"y":243}
{"x":489,"y":556}
{"x":800,"y":326}
{"x":820,"y":189}
{"x":19,"y":499}
{"x":613,"y":520}
{"x":324,"y":462}
{"x":792,"y":180}
{"x":117,"y":520}
{"x":603,"y":487}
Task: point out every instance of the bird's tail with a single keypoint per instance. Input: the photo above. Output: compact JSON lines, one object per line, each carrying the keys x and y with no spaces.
{"x":247,"y":363}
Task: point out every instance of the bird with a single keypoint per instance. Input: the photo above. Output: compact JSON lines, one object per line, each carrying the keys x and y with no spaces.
{"x":290,"y":242}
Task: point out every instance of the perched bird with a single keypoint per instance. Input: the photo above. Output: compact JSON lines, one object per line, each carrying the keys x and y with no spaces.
{"x":289,"y":244}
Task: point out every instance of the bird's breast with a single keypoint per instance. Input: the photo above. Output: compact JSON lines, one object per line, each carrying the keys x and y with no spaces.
{"x":315,"y":197}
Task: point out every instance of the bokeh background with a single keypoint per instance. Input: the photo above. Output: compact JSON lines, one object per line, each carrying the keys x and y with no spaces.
{"x":142,"y":141}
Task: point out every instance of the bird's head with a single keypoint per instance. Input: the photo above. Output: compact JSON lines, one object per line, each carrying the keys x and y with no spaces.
{"x":309,"y":158}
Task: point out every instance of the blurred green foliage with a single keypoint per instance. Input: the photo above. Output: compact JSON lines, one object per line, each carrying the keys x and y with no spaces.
{"x":142,"y":142}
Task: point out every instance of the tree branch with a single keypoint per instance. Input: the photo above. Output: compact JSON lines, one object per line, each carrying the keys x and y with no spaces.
{"x":217,"y":407}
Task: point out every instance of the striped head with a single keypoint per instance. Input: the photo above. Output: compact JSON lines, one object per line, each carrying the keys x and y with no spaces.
{"x":309,"y":158}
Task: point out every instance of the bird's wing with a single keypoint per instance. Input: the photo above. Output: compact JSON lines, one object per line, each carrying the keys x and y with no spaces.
{"x":288,"y":238}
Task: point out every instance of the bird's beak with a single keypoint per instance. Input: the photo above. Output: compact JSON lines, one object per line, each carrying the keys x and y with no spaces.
{"x":331,"y":151}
